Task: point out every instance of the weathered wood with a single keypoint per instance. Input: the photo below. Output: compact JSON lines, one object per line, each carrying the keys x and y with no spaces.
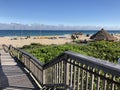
{"x":105,"y":82}
{"x":71,"y":74}
{"x":59,"y":71}
{"x":112,"y":84}
{"x":62,"y":73}
{"x":74,"y":70}
{"x":78,"y":80}
{"x":87,"y":77}
{"x":66,"y":73}
{"x":98,"y":81}
{"x":106,"y":66}
{"x":13,"y":75}
{"x":82,"y":78}
{"x":34,"y":63}
{"x":92,"y":79}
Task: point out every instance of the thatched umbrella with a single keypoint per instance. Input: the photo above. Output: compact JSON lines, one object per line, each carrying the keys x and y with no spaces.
{"x":103,"y":35}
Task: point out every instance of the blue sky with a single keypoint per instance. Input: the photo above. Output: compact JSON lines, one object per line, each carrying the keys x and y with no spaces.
{"x":66,"y":12}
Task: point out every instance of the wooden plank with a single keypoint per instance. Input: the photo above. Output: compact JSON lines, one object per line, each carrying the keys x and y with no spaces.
{"x":14,"y":76}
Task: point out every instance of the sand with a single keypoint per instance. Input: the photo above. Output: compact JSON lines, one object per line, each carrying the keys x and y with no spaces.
{"x":21,"y":41}
{"x":45,"y":40}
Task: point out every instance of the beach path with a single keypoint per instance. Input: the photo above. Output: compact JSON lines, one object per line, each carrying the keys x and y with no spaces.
{"x":13,"y":76}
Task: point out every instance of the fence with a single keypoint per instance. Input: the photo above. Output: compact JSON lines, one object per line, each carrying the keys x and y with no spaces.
{"x":71,"y":71}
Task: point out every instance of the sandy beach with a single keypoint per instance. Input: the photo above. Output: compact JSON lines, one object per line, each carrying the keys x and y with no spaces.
{"x":21,"y":41}
{"x":45,"y":40}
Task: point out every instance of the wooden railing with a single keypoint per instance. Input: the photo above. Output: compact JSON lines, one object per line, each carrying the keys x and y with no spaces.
{"x":72,"y":71}
{"x":31,"y":63}
{"x":6,"y":48}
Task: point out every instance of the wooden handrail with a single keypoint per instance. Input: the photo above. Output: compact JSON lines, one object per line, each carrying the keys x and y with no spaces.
{"x":5,"y":47}
{"x":71,"y":71}
{"x":80,"y":72}
{"x":106,"y":66}
{"x":34,"y":66}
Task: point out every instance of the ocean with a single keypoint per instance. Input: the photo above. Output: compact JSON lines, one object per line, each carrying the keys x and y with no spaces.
{"x":48,"y":32}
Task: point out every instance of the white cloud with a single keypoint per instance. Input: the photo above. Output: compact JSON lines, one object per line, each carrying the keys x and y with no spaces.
{"x":18,"y":26}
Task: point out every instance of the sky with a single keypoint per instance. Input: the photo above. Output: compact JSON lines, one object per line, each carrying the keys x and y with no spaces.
{"x":61,"y":12}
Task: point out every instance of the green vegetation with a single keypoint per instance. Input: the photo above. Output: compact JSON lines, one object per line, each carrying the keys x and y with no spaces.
{"x":100,"y":49}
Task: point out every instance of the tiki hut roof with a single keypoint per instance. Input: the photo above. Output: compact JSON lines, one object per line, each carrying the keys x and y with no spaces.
{"x":103,"y":35}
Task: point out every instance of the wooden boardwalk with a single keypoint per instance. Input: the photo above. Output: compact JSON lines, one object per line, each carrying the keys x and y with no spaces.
{"x":13,"y":76}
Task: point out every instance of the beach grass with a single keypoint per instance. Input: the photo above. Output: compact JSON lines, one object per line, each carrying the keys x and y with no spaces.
{"x":105,"y":50}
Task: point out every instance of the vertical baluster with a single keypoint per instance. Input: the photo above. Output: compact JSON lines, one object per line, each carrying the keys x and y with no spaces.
{"x":74,"y":72}
{"x":47,"y":76}
{"x":18,"y":55}
{"x":52,"y":74}
{"x":66,"y":73}
{"x":92,"y":79}
{"x":57,"y":72}
{"x":98,"y":81}
{"x":62,"y":70}
{"x":71,"y":74}
{"x":44,"y":77}
{"x":59,"y":66}
{"x":82,"y":78}
{"x":26,"y":58}
{"x":112,"y":84}
{"x":105,"y":83}
{"x":39,"y":74}
{"x":36,"y":72}
{"x":29,"y":63}
{"x":78,"y":80}
{"x":32,"y":67}
{"x":55,"y":75}
{"x":23,"y":59}
{"x":87,"y":76}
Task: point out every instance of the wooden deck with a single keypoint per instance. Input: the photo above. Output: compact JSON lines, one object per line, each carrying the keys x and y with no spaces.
{"x":13,"y":76}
